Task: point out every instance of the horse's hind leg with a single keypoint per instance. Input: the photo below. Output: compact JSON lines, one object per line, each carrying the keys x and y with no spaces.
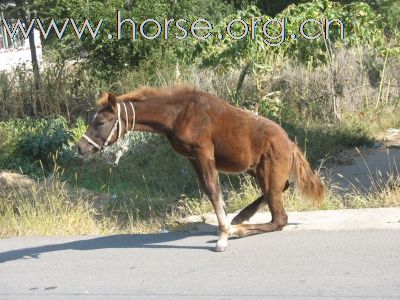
{"x":247,"y":212}
{"x":272,"y":178}
{"x":279,"y":218}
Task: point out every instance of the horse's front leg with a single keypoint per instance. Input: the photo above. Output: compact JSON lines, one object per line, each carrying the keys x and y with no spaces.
{"x":204,"y":165}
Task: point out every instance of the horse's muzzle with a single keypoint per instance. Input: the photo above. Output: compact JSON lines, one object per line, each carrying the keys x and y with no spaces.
{"x":85,"y":149}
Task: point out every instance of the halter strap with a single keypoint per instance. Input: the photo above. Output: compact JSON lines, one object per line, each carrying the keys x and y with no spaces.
{"x":91,"y":141}
{"x":133,"y":115}
{"x":117,"y":125}
{"x":126,"y":116}
{"x":119,"y":121}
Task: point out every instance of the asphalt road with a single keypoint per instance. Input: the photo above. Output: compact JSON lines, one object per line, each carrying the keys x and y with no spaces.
{"x":287,"y":264}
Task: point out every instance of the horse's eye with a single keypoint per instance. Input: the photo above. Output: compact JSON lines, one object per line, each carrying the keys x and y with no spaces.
{"x":100,"y":121}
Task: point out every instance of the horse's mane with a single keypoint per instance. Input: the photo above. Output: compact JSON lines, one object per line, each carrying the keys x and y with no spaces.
{"x":147,"y":92}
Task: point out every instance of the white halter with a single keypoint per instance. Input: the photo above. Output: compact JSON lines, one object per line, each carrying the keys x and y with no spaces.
{"x":117,"y":124}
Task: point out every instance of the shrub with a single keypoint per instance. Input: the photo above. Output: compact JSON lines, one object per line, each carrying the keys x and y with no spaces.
{"x":30,"y":142}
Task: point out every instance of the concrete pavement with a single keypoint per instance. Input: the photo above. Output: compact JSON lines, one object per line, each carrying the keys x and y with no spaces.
{"x":342,"y":260}
{"x":346,"y":219}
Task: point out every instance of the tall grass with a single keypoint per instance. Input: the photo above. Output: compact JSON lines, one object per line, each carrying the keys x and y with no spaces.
{"x":67,"y":90}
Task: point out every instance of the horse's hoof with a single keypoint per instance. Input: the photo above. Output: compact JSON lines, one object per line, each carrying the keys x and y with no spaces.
{"x":219,"y":248}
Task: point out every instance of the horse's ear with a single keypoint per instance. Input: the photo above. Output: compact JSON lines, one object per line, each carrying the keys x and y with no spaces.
{"x":107,"y":98}
{"x":112,"y":99}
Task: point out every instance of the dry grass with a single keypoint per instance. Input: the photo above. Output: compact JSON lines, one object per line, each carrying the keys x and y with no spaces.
{"x":47,"y":208}
{"x":51,"y":208}
{"x":362,"y":82}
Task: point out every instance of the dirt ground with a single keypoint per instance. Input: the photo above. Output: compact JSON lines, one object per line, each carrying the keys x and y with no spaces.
{"x":366,"y":168}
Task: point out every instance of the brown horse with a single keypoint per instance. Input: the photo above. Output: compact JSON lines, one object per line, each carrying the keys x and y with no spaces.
{"x":214,"y":136}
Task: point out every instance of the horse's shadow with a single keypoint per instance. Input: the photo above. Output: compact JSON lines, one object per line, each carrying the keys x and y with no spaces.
{"x":150,"y":241}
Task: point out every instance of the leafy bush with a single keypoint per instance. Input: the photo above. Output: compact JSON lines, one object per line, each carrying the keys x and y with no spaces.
{"x":105,"y":57}
{"x":78,"y":130}
{"x":362,"y":27}
{"x":46,"y":139}
{"x":30,"y":142}
{"x":390,"y":11}
{"x":256,"y":54}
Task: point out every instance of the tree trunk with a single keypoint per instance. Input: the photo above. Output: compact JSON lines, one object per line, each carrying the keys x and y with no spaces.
{"x":36,"y":72}
{"x":35,"y":63}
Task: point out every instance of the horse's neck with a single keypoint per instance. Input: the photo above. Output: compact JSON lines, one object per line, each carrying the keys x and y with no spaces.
{"x":156,"y":115}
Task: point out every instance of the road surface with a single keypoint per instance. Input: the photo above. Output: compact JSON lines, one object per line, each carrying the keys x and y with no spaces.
{"x":344,"y":259}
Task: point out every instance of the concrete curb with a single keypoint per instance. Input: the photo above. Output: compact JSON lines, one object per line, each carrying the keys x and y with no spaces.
{"x":326,"y":220}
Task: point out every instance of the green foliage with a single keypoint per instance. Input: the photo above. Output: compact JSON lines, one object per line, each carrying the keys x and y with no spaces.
{"x":78,"y":130}
{"x":106,"y":56}
{"x":264,"y":47}
{"x":33,"y":141}
{"x":271,"y":107}
{"x":362,"y":27}
{"x":43,"y":140}
{"x":390,"y":12}
{"x":229,"y":51}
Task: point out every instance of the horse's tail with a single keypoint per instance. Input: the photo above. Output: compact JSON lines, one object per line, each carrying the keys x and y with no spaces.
{"x":308,"y":183}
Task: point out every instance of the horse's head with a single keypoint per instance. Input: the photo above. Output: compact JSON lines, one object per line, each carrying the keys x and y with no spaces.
{"x":104,"y":129}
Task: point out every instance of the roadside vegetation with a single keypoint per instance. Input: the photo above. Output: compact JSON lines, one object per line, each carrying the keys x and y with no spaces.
{"x":327,"y":95}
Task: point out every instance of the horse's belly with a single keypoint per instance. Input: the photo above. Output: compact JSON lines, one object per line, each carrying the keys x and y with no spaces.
{"x":233,"y":164}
